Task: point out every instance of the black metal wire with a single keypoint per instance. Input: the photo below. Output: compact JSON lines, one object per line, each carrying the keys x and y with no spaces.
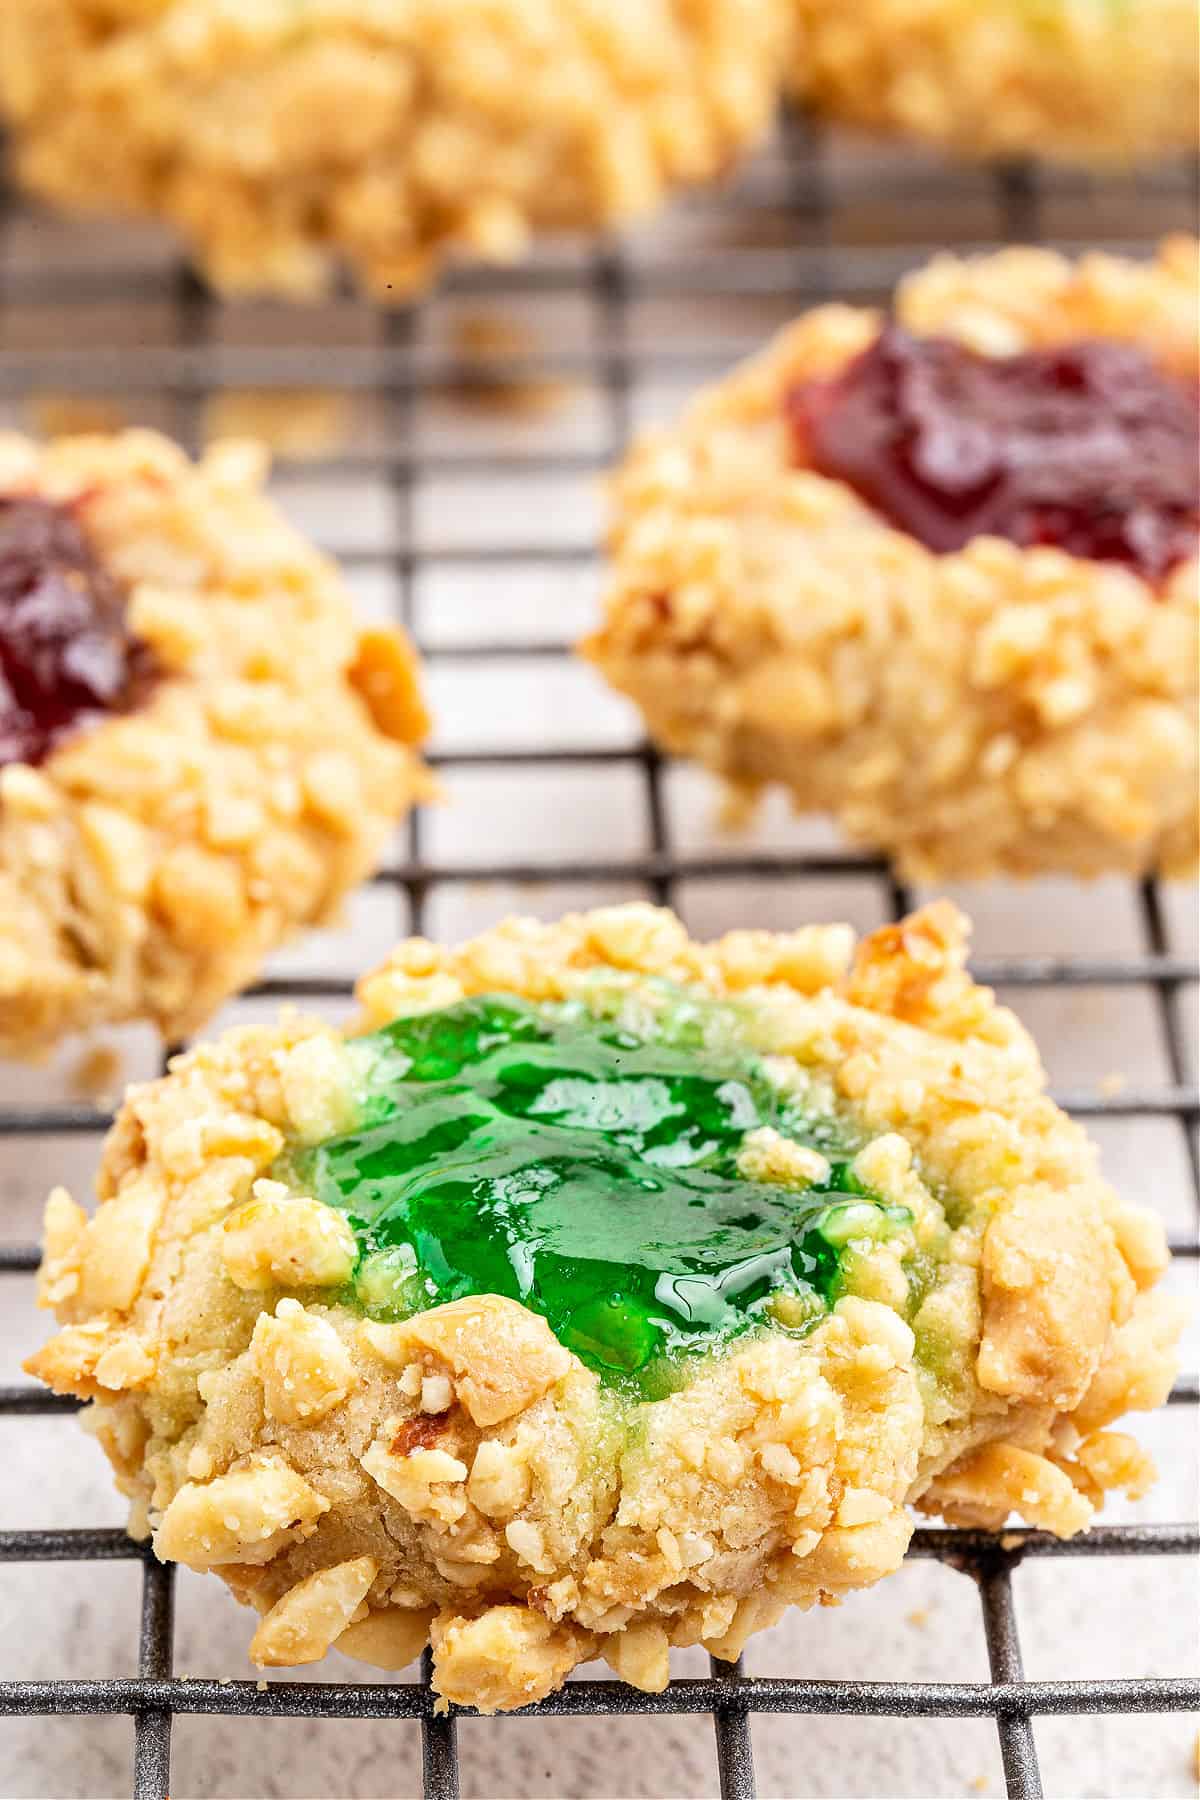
{"x":152,"y":1733}
{"x":400,"y":370}
{"x":1017,"y":1748}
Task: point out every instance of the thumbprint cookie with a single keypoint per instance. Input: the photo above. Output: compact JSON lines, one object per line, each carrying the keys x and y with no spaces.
{"x":603,"y":1292}
{"x":936,"y":572}
{"x":200,"y":750}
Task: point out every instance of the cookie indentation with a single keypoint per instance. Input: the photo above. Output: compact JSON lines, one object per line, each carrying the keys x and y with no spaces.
{"x":67,"y":659}
{"x":610,"y":1178}
{"x":1086,"y":446}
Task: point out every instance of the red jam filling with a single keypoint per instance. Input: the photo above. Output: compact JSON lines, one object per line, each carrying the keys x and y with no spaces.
{"x":1086,"y":446}
{"x":66,"y":658}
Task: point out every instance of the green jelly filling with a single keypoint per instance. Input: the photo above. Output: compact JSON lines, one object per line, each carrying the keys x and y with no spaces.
{"x":591,"y":1172}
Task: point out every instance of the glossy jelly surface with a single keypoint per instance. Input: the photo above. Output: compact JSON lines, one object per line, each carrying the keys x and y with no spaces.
{"x":66,"y":658}
{"x":1086,"y":446}
{"x":590,"y":1171}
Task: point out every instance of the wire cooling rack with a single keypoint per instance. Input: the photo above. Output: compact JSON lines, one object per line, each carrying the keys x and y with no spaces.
{"x":807,"y":225}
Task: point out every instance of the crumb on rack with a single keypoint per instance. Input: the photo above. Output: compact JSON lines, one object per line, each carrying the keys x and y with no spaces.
{"x":479,"y":342}
{"x":51,"y":414}
{"x":303,"y":423}
{"x":736,"y":807}
{"x":96,"y":1075}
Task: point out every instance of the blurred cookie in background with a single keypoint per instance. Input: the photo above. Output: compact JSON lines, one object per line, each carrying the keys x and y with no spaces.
{"x":287,"y":137}
{"x":1080,"y":80}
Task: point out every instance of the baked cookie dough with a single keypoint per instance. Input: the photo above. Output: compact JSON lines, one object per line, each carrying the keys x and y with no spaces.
{"x":1082,"y":80}
{"x":199,"y":749}
{"x":606,"y":1292}
{"x":285,"y":136}
{"x":973,"y":638}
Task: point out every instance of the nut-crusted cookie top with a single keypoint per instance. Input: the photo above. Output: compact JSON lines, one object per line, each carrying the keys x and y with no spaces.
{"x":376,"y":1476}
{"x":155,"y":855}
